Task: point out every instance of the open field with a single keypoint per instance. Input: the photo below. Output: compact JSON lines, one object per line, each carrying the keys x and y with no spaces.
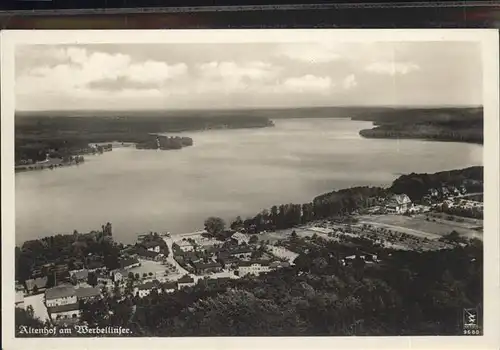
{"x":36,"y":301}
{"x":418,"y":225}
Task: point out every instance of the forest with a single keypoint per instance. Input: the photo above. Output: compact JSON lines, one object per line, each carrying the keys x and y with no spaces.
{"x":443,"y":124}
{"x":36,"y":133}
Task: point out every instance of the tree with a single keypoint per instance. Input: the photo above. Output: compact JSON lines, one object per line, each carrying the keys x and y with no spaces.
{"x":92,"y":279}
{"x":214,"y":225}
{"x":254,"y":239}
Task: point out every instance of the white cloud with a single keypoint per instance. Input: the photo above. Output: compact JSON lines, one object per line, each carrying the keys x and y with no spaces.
{"x":79,"y":68}
{"x":256,"y":70}
{"x":349,"y":82}
{"x":310,"y":53}
{"x":308,"y":83}
{"x":392,"y":68}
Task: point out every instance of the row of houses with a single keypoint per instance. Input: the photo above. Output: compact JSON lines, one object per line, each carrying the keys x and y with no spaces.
{"x":63,"y":302}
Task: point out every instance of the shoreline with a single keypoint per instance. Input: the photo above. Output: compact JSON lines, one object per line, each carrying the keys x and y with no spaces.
{"x":179,"y":236}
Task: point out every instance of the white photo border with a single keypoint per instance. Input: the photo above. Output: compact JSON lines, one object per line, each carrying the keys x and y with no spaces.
{"x":489,"y":40}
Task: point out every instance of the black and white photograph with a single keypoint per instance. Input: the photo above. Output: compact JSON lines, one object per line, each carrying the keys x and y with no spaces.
{"x":306,"y":184}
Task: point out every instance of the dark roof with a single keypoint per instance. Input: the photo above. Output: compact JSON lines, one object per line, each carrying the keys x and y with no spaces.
{"x":94,"y":265}
{"x":202,"y":265}
{"x":63,"y":308}
{"x":60,"y":292}
{"x":185,"y":279}
{"x":169,"y":285}
{"x":147,"y":253}
{"x":249,"y":263}
{"x":128,"y":262}
{"x":150,"y":244}
{"x":240,"y":250}
{"x":147,"y":285}
{"x":87,"y":292}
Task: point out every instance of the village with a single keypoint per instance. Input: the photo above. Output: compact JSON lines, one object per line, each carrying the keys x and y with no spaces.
{"x":168,"y":262}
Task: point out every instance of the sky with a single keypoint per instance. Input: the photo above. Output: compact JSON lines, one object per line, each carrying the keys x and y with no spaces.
{"x":249,"y":75}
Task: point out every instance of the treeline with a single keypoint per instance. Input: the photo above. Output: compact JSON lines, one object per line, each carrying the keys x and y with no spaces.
{"x":165,"y":143}
{"x":35,"y":134}
{"x":410,"y":293}
{"x":442,"y":124}
{"x":336,"y":203}
{"x":37,"y":258}
{"x":417,"y":186}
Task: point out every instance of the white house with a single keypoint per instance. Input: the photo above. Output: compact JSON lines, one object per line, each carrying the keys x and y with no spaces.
{"x":185,"y":281}
{"x":185,"y":246}
{"x":144,"y":289}
{"x":60,"y":295}
{"x":398,"y":203}
{"x":240,"y":238}
{"x":253,"y":267}
{"x":118,"y":275}
{"x":169,"y":287}
{"x":61,"y":313}
{"x":152,"y":246}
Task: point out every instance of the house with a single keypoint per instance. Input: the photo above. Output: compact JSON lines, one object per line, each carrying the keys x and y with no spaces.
{"x":433,"y":193}
{"x":19,"y":302}
{"x":240,"y":252}
{"x":183,"y":245}
{"x":185,"y":281}
{"x":230,"y":262}
{"x":103,"y":279}
{"x":129,"y":263}
{"x":148,"y":254}
{"x":253,"y":267}
{"x":398,"y":203}
{"x":78,"y":276}
{"x":36,"y":285}
{"x":279,"y":264}
{"x":204,"y":268}
{"x":64,"y":314}
{"x":151,"y":246}
{"x":95,"y":265}
{"x":146,"y":288}
{"x":60,"y":295}
{"x":85,"y":293}
{"x":240,"y":238}
{"x":118,"y":275}
{"x":169,"y":287}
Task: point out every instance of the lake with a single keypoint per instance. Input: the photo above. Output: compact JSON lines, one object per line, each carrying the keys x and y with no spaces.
{"x":226,"y":173}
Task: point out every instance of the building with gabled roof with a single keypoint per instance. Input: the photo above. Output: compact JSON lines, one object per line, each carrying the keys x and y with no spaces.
{"x":40,"y":283}
{"x":399,"y":203}
{"x":60,"y":295}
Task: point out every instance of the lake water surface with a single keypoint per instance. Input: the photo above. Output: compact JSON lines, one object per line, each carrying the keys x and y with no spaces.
{"x":226,"y":173}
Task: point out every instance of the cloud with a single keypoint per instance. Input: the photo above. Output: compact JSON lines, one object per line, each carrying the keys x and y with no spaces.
{"x":349,"y":82}
{"x":256,"y":70}
{"x":392,"y":68}
{"x":80,"y":69}
{"x":307,"y":83}
{"x":310,"y":53}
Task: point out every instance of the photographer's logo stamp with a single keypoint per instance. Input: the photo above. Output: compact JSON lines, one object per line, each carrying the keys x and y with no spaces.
{"x":471,"y":322}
